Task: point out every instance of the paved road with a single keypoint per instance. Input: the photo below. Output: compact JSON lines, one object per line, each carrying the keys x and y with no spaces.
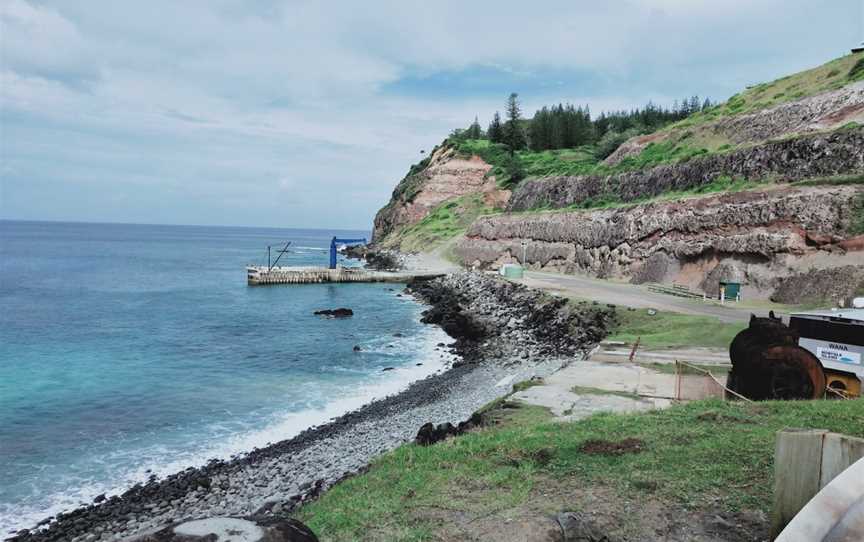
{"x":631,"y":295}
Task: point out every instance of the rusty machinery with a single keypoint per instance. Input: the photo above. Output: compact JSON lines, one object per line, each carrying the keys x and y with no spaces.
{"x":818,"y":354}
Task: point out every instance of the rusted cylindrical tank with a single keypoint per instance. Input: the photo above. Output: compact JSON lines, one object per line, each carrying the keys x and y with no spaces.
{"x":767,"y":363}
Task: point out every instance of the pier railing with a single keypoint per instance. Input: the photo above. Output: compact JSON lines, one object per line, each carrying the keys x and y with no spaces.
{"x":261,"y":275}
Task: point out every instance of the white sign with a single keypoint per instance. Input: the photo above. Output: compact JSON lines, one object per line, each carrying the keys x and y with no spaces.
{"x":836,"y":355}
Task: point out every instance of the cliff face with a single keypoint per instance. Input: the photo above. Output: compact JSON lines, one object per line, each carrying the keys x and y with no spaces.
{"x":766,"y":135}
{"x":446,"y":176}
{"x":819,"y":155}
{"x":748,"y":236}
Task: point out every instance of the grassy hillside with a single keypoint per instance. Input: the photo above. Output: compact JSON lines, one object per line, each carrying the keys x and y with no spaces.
{"x":706,"y":457}
{"x":829,"y":76}
{"x":449,"y":219}
{"x":678,"y":142}
{"x":692,"y":137}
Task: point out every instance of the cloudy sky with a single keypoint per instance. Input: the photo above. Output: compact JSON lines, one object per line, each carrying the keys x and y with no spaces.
{"x":306,"y":114}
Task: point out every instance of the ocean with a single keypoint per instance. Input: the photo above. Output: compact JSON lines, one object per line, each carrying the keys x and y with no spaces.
{"x":131,"y":350}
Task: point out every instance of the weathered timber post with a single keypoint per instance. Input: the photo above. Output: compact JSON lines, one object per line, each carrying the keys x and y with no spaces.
{"x":797,"y":470}
{"x":805,"y":461}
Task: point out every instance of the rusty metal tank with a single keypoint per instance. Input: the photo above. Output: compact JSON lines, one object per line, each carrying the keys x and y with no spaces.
{"x":767,"y":363}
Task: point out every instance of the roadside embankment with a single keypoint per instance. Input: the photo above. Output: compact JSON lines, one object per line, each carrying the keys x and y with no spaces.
{"x":751,"y":237}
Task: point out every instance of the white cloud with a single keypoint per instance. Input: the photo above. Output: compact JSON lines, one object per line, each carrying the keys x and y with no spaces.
{"x":237,"y":103}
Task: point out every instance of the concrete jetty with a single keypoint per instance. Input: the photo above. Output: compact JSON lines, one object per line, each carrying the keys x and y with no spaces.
{"x":262,"y":275}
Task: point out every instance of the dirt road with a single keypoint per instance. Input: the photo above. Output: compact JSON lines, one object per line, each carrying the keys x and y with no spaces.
{"x":632,"y":295}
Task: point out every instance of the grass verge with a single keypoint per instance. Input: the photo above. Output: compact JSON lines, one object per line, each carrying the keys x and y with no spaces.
{"x":703,"y":455}
{"x":670,"y":330}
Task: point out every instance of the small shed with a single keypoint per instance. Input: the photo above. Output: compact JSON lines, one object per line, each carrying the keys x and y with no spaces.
{"x":730,"y":290}
{"x":511,"y":271}
{"x":858,"y":49}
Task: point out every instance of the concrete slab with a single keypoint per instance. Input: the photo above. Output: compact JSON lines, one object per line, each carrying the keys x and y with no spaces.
{"x":225,"y":529}
{"x":587,"y":387}
{"x":619,"y":377}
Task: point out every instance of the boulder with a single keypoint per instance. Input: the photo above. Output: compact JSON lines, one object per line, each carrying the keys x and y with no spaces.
{"x":335,"y":313}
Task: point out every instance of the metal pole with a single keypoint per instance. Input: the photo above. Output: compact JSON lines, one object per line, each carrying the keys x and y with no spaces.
{"x":268,"y":258}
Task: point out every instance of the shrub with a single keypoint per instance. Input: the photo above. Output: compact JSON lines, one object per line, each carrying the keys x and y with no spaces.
{"x":610,"y":142}
{"x":514,"y":170}
{"x":857,"y":71}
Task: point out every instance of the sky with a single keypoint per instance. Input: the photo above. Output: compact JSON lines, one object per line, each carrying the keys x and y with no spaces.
{"x":307,"y":113}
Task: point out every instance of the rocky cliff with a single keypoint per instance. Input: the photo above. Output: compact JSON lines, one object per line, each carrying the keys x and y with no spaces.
{"x":752,"y":236}
{"x":819,"y":155}
{"x":443,"y":176}
{"x":804,"y":127}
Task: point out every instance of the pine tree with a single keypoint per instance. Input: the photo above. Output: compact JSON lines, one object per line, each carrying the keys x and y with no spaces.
{"x":474,"y":131}
{"x":513,"y":136}
{"x":539,"y":130}
{"x":495,"y":132}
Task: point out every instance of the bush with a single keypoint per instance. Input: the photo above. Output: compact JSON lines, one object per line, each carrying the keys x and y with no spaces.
{"x":857,"y":71}
{"x":515,"y":171}
{"x":610,"y":142}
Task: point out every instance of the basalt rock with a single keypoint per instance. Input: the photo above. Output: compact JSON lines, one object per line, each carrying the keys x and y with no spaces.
{"x":835,"y":286}
{"x":430,"y":434}
{"x":335,"y":313}
{"x":492,"y":318}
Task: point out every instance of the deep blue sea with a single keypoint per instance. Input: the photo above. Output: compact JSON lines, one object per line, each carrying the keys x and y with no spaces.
{"x":130,"y":349}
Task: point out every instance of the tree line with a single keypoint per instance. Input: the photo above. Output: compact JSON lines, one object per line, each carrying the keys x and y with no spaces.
{"x":565,"y":126}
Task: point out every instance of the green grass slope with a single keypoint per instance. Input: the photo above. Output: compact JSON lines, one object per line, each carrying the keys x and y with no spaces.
{"x":708,"y":455}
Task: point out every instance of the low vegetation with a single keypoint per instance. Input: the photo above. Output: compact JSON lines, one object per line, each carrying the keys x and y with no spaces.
{"x":856,"y":220}
{"x":449,"y":219}
{"x":829,"y":76}
{"x":669,"y":329}
{"x":707,"y":455}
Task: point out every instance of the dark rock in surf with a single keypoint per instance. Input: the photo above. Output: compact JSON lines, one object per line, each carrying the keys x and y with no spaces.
{"x":335,"y":313}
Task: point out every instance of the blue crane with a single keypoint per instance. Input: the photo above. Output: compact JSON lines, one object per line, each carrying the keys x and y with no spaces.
{"x":336,"y":241}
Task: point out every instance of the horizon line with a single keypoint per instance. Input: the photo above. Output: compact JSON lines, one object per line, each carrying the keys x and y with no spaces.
{"x":109,"y":223}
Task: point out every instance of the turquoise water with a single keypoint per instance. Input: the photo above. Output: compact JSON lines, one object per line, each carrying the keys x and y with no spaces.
{"x":130,"y":349}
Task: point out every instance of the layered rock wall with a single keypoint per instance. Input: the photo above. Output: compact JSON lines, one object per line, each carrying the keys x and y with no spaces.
{"x":819,"y":155}
{"x":746,"y":236}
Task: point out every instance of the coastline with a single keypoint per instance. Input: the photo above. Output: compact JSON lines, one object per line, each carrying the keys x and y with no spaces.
{"x":275,"y":479}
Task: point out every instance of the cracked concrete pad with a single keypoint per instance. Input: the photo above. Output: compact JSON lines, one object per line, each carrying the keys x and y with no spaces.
{"x":225,"y":529}
{"x":585,"y":388}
